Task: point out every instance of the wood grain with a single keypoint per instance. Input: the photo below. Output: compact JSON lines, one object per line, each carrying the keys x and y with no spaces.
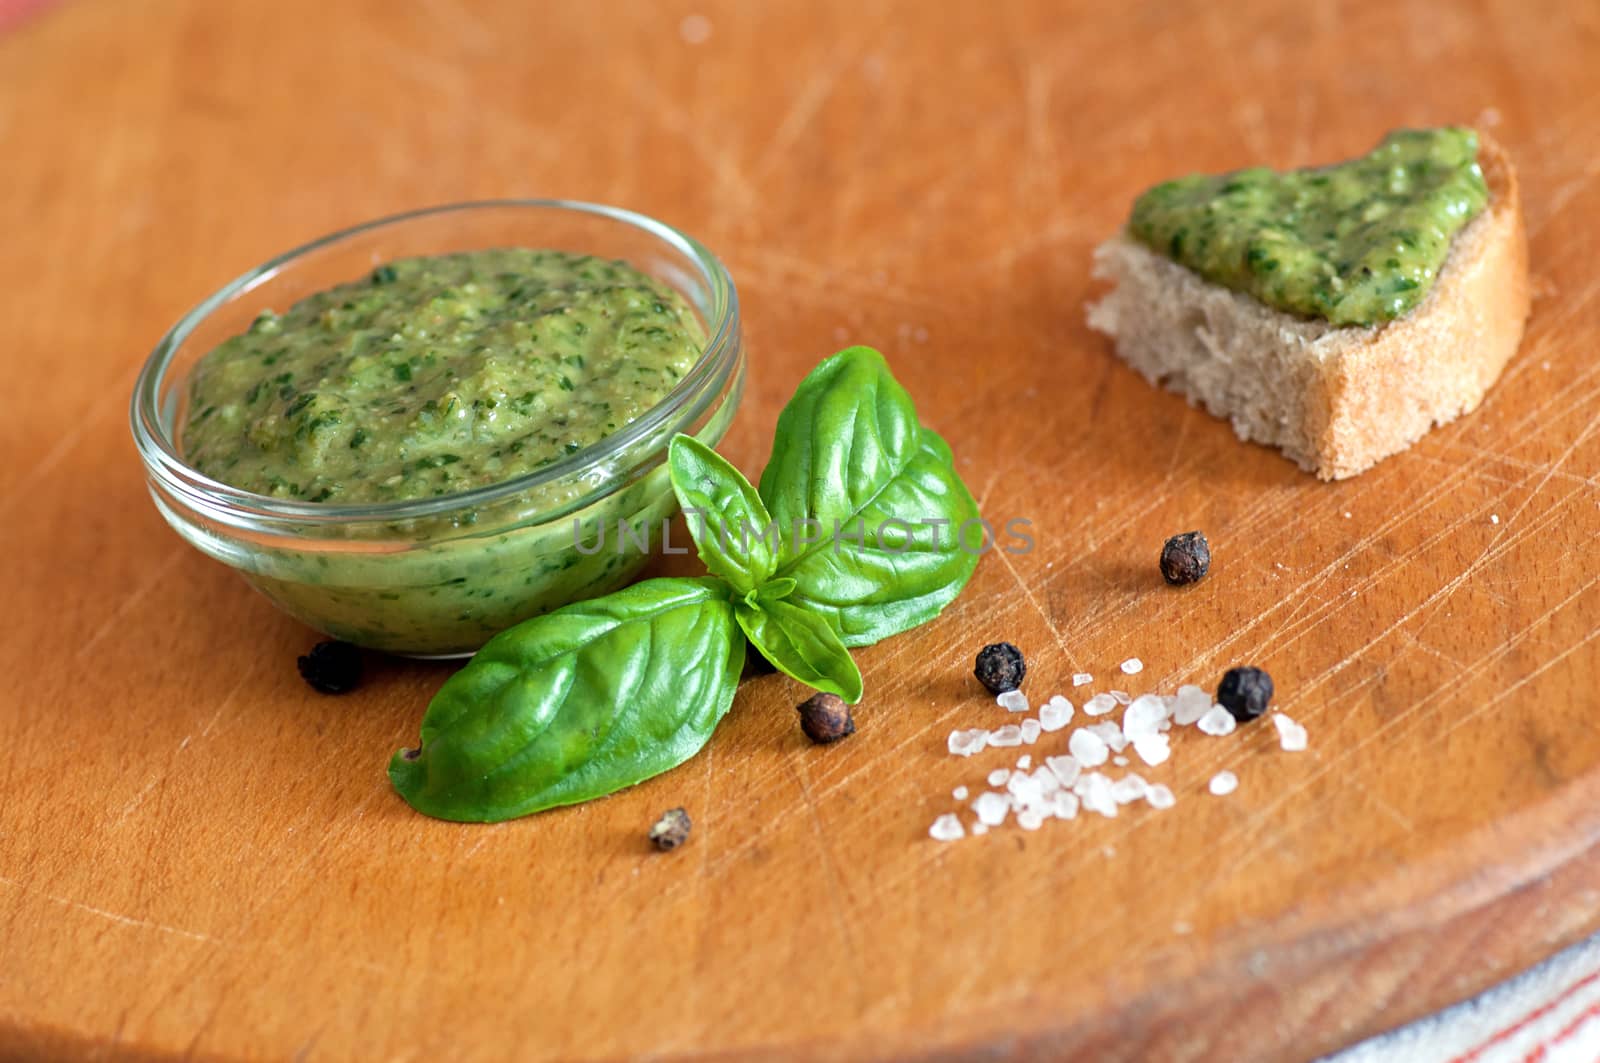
{"x":199,"y":856}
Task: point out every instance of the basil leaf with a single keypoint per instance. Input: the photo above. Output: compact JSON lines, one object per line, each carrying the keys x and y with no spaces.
{"x":801,"y":644}
{"x":725,"y":515}
{"x":849,"y":454}
{"x":577,"y":703}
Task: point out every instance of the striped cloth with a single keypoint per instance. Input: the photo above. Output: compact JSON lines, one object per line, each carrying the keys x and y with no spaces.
{"x":1550,"y":1014}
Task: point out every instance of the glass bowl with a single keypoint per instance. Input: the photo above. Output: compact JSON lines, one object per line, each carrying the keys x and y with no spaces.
{"x":438,"y":577}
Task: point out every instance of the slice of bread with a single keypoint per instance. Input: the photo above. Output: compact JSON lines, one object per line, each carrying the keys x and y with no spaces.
{"x":1335,"y":400}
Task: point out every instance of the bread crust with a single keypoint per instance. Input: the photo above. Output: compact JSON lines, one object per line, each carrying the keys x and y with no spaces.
{"x":1433,"y":365}
{"x":1336,"y":400}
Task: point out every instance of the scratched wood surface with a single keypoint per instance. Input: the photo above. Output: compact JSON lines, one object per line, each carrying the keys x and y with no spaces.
{"x":199,"y":855}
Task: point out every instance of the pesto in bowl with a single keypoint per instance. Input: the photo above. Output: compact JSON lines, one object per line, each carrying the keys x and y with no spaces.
{"x":435,"y":375}
{"x":421,"y":456}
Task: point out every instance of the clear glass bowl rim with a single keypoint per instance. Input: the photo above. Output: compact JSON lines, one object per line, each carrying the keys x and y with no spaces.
{"x":158,"y":450}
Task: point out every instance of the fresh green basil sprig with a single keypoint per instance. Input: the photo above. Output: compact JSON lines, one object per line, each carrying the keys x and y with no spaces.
{"x":861,"y":529}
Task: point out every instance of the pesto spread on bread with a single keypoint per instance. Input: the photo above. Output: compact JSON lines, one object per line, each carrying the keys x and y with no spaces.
{"x":1357,"y":243}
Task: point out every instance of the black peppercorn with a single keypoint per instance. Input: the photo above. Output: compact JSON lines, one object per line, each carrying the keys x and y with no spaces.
{"x":825,"y":718}
{"x":1000,"y":667}
{"x":1245,"y":692}
{"x":1185,"y":558}
{"x":332,"y":667}
{"x":671,"y":830}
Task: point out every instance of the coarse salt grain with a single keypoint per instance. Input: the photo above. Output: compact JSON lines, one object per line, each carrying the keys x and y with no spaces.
{"x":1217,"y":721}
{"x":1120,"y":761}
{"x":1143,"y":717}
{"x":1066,"y":768}
{"x":980,"y":828}
{"x":1024,"y":790}
{"x":1013,"y":701}
{"x":1128,"y":789}
{"x":1053,"y":718}
{"x":1160,"y":797}
{"x":1494,"y":518}
{"x":1094,"y":793}
{"x":1030,"y":819}
{"x":1047,"y":780}
{"x":1132,"y":666}
{"x":947,"y":828}
{"x":1121,"y":697}
{"x":1009,"y":735}
{"x":1088,"y":748}
{"x":1066,"y":804}
{"x":966,"y":743}
{"x":1081,"y":679}
{"x":959,"y":793}
{"x":1030,"y":731}
{"x":1111,"y":735}
{"x":1153,"y":749}
{"x":1055,"y":714}
{"x":999,"y":776}
{"x":1192,"y":703}
{"x":1223,"y":783}
{"x":1024,"y":762}
{"x":1099,"y":705}
{"x":991,"y":808}
{"x":1291,"y":736}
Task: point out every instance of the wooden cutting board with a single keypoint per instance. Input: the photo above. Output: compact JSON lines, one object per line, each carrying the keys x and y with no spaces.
{"x":198,"y":855}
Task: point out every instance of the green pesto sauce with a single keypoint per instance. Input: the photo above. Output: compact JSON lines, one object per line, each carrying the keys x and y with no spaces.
{"x":435,"y":375}
{"x":1356,"y":244}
